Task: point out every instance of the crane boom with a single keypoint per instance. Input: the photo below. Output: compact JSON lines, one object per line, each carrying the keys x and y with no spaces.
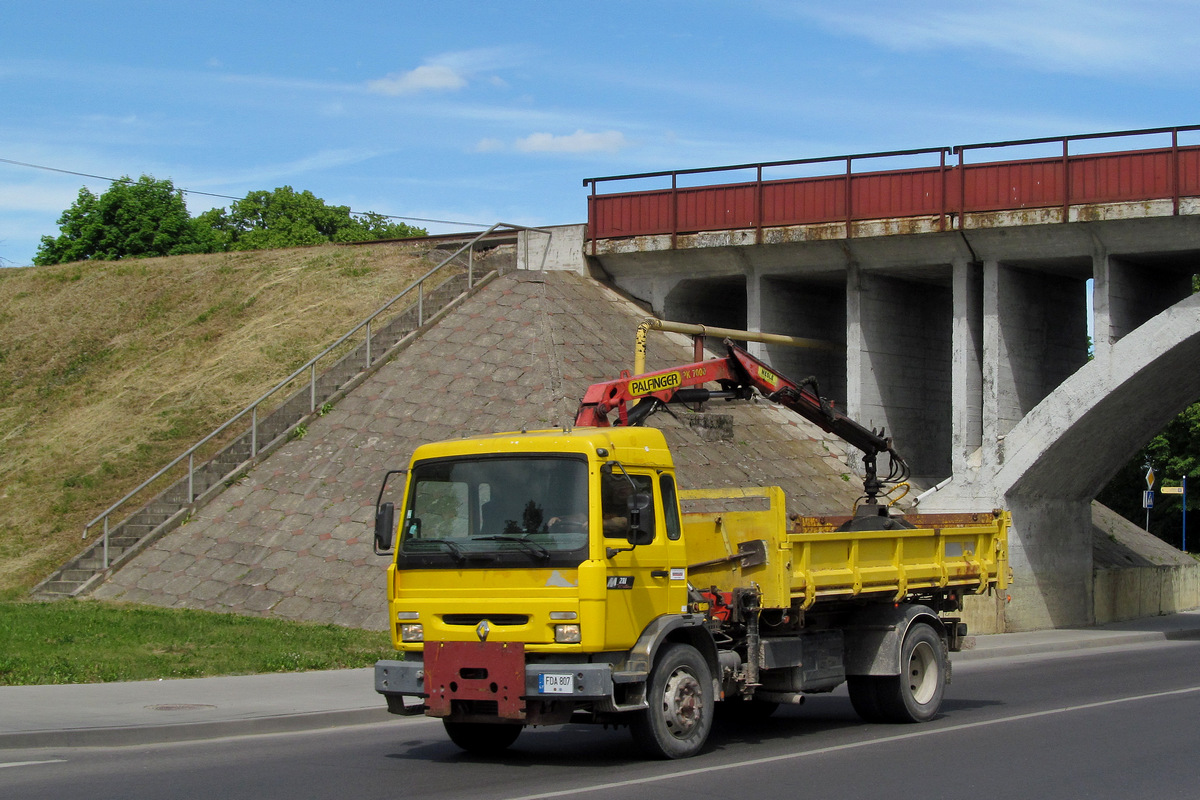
{"x":739,"y":375}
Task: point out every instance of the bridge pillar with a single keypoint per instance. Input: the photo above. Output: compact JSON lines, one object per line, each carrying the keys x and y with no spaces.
{"x":966,"y":367}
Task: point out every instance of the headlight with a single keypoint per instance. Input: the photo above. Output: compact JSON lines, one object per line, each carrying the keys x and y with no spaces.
{"x":567,"y":634}
{"x":414,"y":632}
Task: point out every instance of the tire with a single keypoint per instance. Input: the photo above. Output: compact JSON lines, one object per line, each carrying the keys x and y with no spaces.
{"x":680,"y":702}
{"x":864,"y":696}
{"x":915,"y":695}
{"x":482,"y":738}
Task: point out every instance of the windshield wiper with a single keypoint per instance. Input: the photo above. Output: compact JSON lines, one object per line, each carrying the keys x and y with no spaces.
{"x":455,"y":550}
{"x":531,"y":547}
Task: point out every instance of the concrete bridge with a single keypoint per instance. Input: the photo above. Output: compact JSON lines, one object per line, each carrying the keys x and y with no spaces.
{"x":964,"y":296}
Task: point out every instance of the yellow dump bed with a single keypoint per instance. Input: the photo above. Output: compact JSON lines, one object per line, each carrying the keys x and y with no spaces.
{"x":807,"y":559}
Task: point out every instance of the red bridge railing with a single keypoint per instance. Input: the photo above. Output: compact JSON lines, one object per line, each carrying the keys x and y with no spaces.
{"x":950,"y":190}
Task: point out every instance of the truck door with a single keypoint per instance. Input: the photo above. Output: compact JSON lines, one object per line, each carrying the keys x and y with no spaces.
{"x":640,"y":586}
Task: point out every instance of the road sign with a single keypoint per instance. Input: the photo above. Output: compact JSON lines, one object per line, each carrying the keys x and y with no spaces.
{"x":1148,"y":499}
{"x":1149,"y":477}
{"x":1171,"y":490}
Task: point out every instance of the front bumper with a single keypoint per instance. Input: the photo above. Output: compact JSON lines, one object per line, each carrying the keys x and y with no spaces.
{"x":476,"y":673}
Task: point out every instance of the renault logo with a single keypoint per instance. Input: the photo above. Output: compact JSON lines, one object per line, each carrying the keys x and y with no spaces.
{"x":482,"y":630}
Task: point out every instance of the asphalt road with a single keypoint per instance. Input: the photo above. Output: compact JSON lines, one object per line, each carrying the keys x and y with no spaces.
{"x":1118,"y":722}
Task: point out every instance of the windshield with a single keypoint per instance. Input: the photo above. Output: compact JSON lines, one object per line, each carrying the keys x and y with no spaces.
{"x":518,"y":511}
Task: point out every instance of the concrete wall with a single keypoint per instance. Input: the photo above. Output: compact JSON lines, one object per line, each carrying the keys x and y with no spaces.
{"x":899,"y":367}
{"x":556,"y":247}
{"x":1039,"y":337}
{"x":717,"y":301}
{"x":811,"y":310}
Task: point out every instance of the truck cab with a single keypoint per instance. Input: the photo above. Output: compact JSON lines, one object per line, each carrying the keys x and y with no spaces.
{"x":528,"y":566}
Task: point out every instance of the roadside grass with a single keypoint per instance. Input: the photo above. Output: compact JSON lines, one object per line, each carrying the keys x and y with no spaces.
{"x":110,"y":369}
{"x":98,"y":642}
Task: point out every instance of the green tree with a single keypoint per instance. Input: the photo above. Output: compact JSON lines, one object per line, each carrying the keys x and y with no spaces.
{"x":287,"y":218}
{"x":1174,"y":453}
{"x":146,"y":217}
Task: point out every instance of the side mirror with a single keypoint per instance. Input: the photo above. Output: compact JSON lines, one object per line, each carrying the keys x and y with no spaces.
{"x":639,"y":503}
{"x":385,"y":516}
{"x":385,"y":527}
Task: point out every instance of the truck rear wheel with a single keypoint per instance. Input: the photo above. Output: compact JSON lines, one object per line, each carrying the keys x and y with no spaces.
{"x":915,"y":695}
{"x":680,"y":704}
{"x":482,"y":738}
{"x":864,"y":696}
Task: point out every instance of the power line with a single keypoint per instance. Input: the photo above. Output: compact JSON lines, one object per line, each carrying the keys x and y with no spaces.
{"x":223,"y":196}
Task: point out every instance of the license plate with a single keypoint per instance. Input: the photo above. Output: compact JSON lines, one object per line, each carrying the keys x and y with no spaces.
{"x":551,"y":683}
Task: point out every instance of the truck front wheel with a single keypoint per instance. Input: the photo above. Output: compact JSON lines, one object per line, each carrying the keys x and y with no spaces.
{"x":482,"y":738}
{"x":915,"y":695}
{"x":680,"y":699}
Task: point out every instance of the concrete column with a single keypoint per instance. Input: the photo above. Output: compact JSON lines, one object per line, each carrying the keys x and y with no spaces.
{"x":754,"y":310}
{"x":992,"y":366}
{"x":856,"y":356}
{"x":966,"y":369}
{"x":1102,"y":289}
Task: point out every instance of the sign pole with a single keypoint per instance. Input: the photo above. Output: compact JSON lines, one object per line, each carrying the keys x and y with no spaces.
{"x":1148,"y":496}
{"x":1180,"y":490}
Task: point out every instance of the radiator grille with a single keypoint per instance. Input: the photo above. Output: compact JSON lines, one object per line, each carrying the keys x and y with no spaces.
{"x":495,"y":619}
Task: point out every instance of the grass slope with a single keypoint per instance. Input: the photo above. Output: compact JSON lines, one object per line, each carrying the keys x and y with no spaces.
{"x":109,"y":370}
{"x":90,"y":642}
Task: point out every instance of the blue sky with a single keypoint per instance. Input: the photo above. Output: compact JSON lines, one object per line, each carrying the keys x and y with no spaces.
{"x":495,"y":112}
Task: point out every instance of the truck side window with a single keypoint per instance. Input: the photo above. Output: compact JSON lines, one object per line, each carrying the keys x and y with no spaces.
{"x":670,"y":507}
{"x":615,"y":492}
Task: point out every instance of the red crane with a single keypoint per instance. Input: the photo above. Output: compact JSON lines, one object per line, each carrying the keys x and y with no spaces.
{"x":739,"y":375}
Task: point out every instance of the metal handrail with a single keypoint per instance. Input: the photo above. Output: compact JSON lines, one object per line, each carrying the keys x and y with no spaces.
{"x":954,"y":149}
{"x":849,"y":161}
{"x":190,"y":454}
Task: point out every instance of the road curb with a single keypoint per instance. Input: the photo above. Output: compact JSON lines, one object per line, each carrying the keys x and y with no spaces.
{"x":1093,"y":641}
{"x":125,"y":736}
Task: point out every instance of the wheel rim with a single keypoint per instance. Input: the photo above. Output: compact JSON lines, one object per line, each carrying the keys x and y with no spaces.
{"x":682,"y":703}
{"x":922,"y":673}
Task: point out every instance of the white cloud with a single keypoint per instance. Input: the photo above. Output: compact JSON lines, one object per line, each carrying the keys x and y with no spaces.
{"x":489,"y":146}
{"x":578,"y":142}
{"x":1072,"y":36}
{"x":427,"y":77}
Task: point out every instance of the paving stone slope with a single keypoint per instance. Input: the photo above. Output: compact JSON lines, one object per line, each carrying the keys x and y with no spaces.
{"x":293,"y":538}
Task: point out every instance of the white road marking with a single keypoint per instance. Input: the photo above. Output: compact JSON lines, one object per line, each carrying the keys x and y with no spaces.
{"x":687,"y":773}
{"x":32,"y":763}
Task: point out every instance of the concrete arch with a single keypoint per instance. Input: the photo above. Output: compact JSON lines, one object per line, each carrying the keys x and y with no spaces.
{"x":1061,"y":454}
{"x":1072,"y":443}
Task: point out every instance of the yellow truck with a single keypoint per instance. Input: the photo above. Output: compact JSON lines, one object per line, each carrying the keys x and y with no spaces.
{"x":547,"y":577}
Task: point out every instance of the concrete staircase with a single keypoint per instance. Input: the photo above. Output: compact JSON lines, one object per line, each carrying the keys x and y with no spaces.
{"x":172,"y":506}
